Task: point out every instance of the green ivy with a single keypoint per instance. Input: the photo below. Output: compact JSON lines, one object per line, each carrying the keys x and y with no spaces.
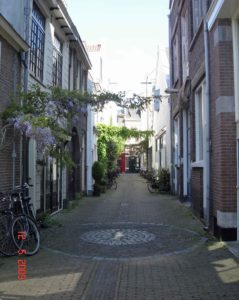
{"x":111,"y":141}
{"x":47,"y":117}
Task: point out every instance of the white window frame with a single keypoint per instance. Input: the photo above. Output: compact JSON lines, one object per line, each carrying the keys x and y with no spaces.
{"x":176,"y":142}
{"x":175,"y":59}
{"x":199,"y":9}
{"x":162,"y":151}
{"x":200,"y":122}
{"x":184,"y":45}
{"x":157,"y":145}
{"x":57,"y":66}
{"x":37,"y":50}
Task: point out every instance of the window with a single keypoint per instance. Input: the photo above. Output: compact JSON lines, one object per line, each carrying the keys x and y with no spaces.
{"x":199,"y":121}
{"x":76,"y":66}
{"x":37,"y":43}
{"x":184,"y":46}
{"x":79,"y":75}
{"x":175,"y":59}
{"x":162,"y":151}
{"x":57,"y":62}
{"x":167,"y":80}
{"x":84,"y":80}
{"x":199,"y":10}
{"x":176,"y":142}
{"x":157,"y":145}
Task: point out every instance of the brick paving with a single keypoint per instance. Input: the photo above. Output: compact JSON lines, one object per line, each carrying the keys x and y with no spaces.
{"x":126,"y":244}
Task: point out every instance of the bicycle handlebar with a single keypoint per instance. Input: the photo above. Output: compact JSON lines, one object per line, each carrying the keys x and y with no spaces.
{"x":24,"y":186}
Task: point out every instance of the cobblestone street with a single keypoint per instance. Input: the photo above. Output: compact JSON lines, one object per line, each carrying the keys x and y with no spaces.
{"x":126,"y":244}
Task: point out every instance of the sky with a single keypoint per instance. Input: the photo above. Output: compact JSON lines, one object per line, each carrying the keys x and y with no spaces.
{"x":129,"y":31}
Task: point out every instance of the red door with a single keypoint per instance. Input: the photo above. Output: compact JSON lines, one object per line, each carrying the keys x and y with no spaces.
{"x":122,"y":163}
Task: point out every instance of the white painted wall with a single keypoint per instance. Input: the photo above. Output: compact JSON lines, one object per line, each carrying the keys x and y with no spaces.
{"x":160,"y":120}
{"x":33,"y":178}
{"x":50,"y":30}
{"x":108,"y":115}
{"x":96,"y":60}
{"x":91,"y":140}
{"x":13,"y":11}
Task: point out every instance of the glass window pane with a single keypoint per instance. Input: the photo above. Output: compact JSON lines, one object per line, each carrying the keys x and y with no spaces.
{"x":37,"y":43}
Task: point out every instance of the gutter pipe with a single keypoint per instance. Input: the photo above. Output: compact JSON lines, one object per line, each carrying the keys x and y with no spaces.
{"x":207,"y":139}
{"x":24,"y":59}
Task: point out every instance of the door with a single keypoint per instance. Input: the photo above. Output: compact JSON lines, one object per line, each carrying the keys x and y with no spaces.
{"x":52,"y":186}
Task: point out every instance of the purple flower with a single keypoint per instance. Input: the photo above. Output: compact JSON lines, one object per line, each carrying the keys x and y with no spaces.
{"x":43,"y":137}
{"x":76,"y":120}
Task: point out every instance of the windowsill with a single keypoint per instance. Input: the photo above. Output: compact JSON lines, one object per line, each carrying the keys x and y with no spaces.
{"x":37,"y":79}
{"x":175,"y":82}
{"x":197,"y":164}
{"x":195,"y":36}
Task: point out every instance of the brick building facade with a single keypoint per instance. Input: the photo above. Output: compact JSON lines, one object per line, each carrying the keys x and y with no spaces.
{"x":202,"y":68}
{"x":11,"y":45}
{"x":56,"y":57}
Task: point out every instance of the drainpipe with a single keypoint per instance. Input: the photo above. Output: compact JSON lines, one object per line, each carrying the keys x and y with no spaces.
{"x":14,"y":155}
{"x":24,"y":59}
{"x":23,"y":156}
{"x":172,"y":174}
{"x":207,"y":130}
{"x":14,"y":143}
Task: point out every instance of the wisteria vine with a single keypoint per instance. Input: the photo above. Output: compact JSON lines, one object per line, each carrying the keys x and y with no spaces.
{"x":48,"y":117}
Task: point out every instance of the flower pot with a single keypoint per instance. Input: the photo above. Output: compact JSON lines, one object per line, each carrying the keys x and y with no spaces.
{"x":97,"y":190}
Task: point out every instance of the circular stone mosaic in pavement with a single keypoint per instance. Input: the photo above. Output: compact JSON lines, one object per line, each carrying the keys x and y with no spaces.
{"x":120,"y":240}
{"x":118,"y":237}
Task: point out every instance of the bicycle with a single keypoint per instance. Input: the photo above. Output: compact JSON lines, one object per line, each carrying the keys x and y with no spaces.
{"x":31,"y":240}
{"x":111,"y":180}
{"x":112,"y":184}
{"x":27,"y":218}
{"x":154,"y":185}
{"x":7,"y":245}
{"x":14,"y":220}
{"x":22,"y":201}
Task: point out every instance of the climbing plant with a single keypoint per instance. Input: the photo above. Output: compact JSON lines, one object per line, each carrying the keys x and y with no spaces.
{"x":47,"y":117}
{"x":114,"y":137}
{"x":111,"y":154}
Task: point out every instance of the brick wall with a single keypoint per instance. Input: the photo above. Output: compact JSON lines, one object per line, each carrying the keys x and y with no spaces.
{"x":9,"y":87}
{"x":223,"y":128}
{"x":197,"y":191}
{"x":196,"y":74}
{"x":222,"y":113}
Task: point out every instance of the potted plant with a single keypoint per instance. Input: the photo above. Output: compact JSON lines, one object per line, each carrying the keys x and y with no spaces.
{"x":103,"y":184}
{"x":164,"y":180}
{"x":97,"y":174}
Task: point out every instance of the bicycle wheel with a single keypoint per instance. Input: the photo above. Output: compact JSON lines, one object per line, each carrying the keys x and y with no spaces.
{"x":152,"y":187}
{"x":7,"y":245}
{"x":31,"y":243}
{"x":113,"y":185}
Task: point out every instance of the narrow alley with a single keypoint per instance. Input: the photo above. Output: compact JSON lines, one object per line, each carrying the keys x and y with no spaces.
{"x":126,"y":244}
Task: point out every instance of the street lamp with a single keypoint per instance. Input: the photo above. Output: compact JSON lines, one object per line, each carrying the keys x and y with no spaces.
{"x":146,"y":85}
{"x":171,"y":91}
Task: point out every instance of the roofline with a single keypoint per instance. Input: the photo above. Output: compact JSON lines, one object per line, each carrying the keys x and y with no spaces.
{"x":76,"y":35}
{"x":213,"y":12}
{"x":171,"y":3}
